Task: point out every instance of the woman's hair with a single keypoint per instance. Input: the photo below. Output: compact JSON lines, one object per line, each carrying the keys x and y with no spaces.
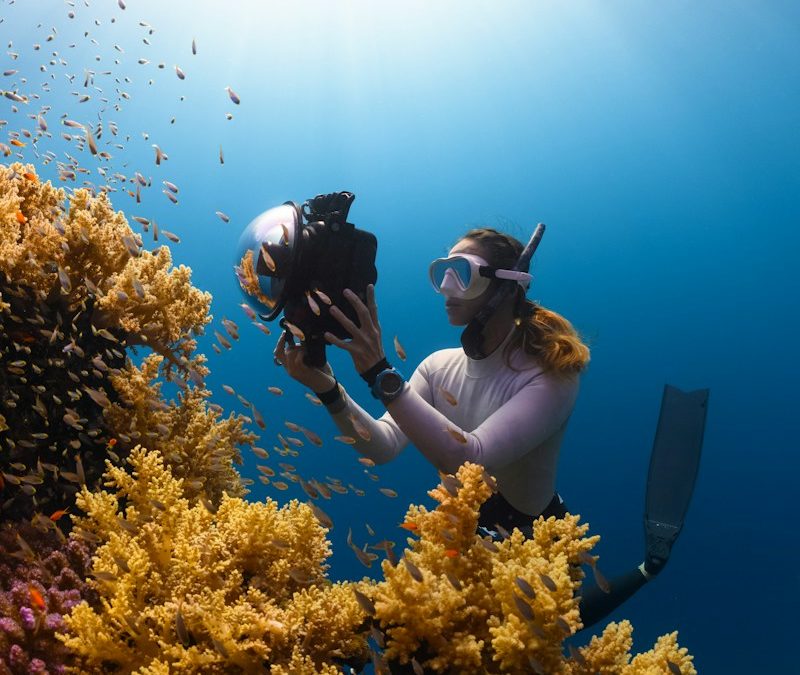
{"x":544,"y":334}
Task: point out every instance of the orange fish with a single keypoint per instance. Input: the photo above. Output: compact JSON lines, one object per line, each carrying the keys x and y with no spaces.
{"x":410,"y":526}
{"x":111,"y":442}
{"x":57,"y":514}
{"x":21,"y":219}
{"x":452,"y":400}
{"x":456,"y":434}
{"x":19,"y":144}
{"x":398,"y":348}
{"x":31,"y":176}
{"x":36,"y":598}
{"x":451,"y":552}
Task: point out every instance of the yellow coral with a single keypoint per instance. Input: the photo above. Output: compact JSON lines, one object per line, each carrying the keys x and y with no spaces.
{"x":91,"y":245}
{"x":167,"y":307}
{"x":457,"y":602}
{"x":248,"y":280}
{"x":198,"y":446}
{"x":29,"y":211}
{"x":201,"y":591}
{"x":657,"y":660}
{"x":229,"y":586}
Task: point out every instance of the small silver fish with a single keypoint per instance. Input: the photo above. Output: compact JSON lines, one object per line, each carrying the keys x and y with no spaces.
{"x":180,"y":624}
{"x":323,"y":518}
{"x":549,"y":584}
{"x":249,"y":311}
{"x":233,"y":95}
{"x":160,"y":154}
{"x":524,"y":608}
{"x":525,"y":587}
{"x":413,"y":570}
{"x":90,"y":140}
{"x":364,"y":602}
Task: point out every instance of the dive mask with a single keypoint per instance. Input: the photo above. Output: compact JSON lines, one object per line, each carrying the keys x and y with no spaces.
{"x":466,"y":276}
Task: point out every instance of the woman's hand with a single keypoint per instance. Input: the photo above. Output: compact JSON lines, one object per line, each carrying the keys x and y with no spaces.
{"x":365,"y":347}
{"x":290,"y":356}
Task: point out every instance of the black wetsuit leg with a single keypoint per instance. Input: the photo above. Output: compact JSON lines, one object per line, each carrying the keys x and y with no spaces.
{"x":595,"y":604}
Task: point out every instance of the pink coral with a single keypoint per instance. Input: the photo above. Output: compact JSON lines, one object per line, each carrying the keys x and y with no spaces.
{"x":49,"y":571}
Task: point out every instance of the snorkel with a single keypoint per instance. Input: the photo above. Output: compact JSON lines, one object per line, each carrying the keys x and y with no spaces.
{"x":472,"y":335}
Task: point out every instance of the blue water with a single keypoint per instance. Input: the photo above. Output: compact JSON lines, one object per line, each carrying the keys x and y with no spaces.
{"x":659,"y":143}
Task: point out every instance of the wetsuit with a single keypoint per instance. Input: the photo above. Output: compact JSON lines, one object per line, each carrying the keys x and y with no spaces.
{"x":458,"y":409}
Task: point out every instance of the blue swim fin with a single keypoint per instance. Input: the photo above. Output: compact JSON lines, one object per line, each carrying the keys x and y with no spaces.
{"x":673,"y":470}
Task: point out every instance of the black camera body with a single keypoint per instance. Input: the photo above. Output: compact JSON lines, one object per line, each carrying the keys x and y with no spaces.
{"x":331,"y":255}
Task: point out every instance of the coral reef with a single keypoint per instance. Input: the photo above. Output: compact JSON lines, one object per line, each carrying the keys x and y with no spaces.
{"x":186,"y":576}
{"x":457,"y":602}
{"x":41,"y":578}
{"x":77,"y":293}
{"x":610,"y":653}
{"x":199,"y":447}
{"x":200,"y":591}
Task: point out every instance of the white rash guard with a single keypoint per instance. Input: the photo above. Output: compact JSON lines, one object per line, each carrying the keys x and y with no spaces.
{"x":513,"y":422}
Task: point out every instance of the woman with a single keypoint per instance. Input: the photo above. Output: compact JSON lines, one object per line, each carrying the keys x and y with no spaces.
{"x":507,"y":411}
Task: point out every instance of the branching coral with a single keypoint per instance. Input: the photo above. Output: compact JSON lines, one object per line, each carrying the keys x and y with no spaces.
{"x":89,"y":249}
{"x":199,"y":446}
{"x":609,"y":654}
{"x":188,"y":577}
{"x":77,"y":293}
{"x":230,"y":591}
{"x":457,"y":602}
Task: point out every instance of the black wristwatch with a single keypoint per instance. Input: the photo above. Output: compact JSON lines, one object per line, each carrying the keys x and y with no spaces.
{"x":389,"y":384}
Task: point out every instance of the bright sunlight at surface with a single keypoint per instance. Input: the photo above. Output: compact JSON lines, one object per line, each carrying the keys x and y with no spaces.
{"x":657,"y":142}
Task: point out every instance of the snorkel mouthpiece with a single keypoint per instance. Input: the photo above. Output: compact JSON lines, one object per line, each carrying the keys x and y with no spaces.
{"x":472,"y":335}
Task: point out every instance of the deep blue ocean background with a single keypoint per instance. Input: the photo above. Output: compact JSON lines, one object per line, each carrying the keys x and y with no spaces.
{"x":659,"y":143}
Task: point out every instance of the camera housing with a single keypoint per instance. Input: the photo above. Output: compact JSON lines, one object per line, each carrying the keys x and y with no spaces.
{"x":296,"y":260}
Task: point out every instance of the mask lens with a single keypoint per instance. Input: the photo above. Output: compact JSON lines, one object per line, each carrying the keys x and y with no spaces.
{"x":459,"y":266}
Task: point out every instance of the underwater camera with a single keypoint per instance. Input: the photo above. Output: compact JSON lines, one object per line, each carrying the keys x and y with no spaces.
{"x":299,"y":259}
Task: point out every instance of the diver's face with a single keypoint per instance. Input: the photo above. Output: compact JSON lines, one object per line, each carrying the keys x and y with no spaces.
{"x":459,"y":311}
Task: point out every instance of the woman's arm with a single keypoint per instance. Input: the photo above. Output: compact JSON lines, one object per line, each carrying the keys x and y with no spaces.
{"x":531,"y":416}
{"x":386,"y":439}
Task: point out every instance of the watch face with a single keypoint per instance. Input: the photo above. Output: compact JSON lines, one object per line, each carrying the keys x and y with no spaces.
{"x":391,"y":383}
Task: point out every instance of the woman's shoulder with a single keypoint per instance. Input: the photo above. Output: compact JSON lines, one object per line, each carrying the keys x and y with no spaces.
{"x":530,"y":368}
{"x":441,"y":358}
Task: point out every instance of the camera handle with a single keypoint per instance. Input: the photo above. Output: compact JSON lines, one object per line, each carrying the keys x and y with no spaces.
{"x":315,"y":352}
{"x":315,"y":348}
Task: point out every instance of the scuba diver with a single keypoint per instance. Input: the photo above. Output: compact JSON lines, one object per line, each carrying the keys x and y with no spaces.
{"x":502,"y":400}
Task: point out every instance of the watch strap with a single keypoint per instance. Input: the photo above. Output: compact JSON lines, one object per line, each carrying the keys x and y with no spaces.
{"x":372,"y":373}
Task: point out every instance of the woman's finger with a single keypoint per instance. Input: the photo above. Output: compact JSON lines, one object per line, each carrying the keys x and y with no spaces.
{"x":373,"y":306}
{"x":342,"y":318}
{"x":330,"y":337}
{"x":364,"y":317}
{"x":279,"y":349}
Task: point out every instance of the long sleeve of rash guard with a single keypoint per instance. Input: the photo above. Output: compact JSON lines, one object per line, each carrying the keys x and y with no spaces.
{"x":531,"y":415}
{"x":386,"y":439}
